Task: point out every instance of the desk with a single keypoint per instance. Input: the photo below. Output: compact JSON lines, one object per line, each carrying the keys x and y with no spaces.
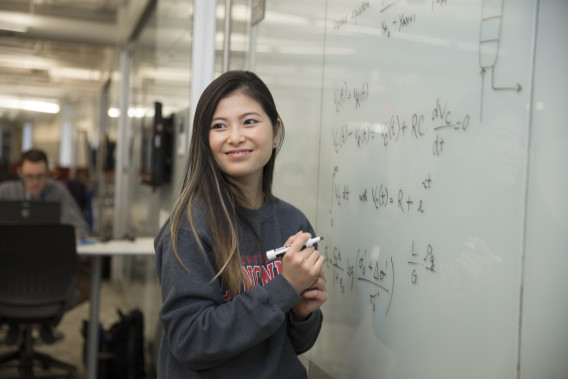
{"x":140,"y":246}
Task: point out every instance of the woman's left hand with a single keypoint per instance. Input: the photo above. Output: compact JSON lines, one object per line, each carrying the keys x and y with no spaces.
{"x":312,"y":298}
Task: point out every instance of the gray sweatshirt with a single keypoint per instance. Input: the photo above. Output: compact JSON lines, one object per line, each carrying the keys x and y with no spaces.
{"x":208,"y":335}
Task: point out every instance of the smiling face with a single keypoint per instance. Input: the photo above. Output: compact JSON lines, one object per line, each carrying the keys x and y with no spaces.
{"x":242,"y":139}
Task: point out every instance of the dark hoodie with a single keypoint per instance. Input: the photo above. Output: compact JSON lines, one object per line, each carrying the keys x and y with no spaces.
{"x":207,"y":335}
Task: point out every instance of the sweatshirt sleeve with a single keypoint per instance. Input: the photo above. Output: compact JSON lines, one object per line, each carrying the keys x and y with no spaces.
{"x":202,"y":329}
{"x":304,"y":334}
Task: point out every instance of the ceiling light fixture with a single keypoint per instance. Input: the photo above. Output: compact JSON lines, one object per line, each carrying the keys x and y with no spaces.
{"x":29,"y":105}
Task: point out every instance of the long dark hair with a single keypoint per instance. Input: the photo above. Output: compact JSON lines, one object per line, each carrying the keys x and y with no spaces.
{"x":207,"y":187}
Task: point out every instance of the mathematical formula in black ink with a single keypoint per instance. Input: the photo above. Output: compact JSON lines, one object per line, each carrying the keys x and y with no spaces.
{"x":379,"y":196}
{"x":365,"y":270}
{"x":420,"y":261}
{"x":417,"y":126}
{"x":354,"y":94}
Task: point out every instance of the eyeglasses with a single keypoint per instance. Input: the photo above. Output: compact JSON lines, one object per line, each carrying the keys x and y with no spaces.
{"x":30,"y":177}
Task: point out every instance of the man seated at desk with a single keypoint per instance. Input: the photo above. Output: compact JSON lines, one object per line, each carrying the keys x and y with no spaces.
{"x":35,"y":185}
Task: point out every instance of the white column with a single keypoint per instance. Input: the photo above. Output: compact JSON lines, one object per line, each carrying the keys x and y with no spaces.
{"x":27,"y":136}
{"x":227,"y":37}
{"x":122,"y":143}
{"x":203,"y":52}
{"x":66,"y":142}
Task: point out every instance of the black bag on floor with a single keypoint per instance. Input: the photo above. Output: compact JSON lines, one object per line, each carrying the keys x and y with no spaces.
{"x":121,"y":348}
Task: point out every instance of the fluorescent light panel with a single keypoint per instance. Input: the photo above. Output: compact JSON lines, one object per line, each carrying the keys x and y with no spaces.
{"x":29,"y":105}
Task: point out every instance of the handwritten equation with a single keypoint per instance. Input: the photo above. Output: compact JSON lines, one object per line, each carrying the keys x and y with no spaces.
{"x":346,"y":93}
{"x":386,"y":19}
{"x":421,"y":261}
{"x":401,"y":20}
{"x":441,"y":119}
{"x":399,"y":23}
{"x":379,"y":196}
{"x":377,"y":275}
{"x":363,"y":269}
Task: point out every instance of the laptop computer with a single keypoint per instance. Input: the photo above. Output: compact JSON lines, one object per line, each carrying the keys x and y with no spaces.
{"x":29,"y":212}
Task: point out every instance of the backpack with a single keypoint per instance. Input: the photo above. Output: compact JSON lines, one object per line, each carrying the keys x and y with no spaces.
{"x":121,"y":348}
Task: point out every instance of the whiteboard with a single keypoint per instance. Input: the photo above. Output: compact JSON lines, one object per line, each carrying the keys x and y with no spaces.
{"x":288,"y":46}
{"x":427,"y":188}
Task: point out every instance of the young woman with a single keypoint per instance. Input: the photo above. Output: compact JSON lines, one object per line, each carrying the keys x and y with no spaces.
{"x":227,"y":311}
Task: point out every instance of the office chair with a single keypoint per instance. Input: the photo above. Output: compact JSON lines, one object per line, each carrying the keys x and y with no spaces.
{"x":38,"y":265}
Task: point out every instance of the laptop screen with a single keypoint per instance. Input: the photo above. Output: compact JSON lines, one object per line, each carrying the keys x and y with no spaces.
{"x":30,"y":212}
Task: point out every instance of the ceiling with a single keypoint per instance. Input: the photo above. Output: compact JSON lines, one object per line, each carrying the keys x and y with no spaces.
{"x":55,"y":51}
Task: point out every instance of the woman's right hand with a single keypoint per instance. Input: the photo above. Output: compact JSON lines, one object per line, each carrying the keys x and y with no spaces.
{"x":301,"y":267}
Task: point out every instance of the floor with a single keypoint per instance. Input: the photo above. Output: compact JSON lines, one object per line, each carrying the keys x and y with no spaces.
{"x":70,"y":348}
